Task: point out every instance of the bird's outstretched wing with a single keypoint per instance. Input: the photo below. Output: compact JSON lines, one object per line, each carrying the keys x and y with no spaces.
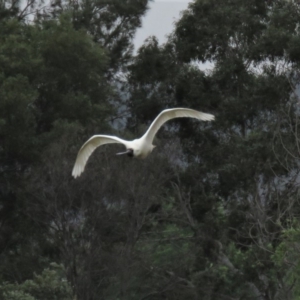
{"x":172,"y":113}
{"x":88,"y":148}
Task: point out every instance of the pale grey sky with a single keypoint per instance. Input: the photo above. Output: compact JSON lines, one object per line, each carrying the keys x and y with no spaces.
{"x":159,"y":20}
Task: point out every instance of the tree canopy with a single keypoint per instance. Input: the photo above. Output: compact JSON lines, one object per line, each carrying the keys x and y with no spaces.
{"x":212,"y":213}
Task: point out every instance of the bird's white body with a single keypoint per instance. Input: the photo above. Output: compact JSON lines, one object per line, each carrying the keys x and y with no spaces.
{"x":141,"y":147}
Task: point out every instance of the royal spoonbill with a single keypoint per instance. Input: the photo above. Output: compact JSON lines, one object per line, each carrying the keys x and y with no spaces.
{"x":141,"y":147}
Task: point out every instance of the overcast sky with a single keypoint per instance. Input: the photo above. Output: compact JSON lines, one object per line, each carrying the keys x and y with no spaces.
{"x":159,"y":20}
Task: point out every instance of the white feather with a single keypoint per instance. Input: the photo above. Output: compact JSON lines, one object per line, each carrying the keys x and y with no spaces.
{"x":89,"y":147}
{"x":173,"y":113}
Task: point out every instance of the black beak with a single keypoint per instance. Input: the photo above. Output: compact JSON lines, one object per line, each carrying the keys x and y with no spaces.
{"x":128,"y":151}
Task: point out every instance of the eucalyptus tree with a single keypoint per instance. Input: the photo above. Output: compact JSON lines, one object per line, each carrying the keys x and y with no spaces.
{"x":56,"y":89}
{"x":53,"y":79}
{"x":112,"y":24}
{"x":234,"y":181}
{"x":209,"y":216}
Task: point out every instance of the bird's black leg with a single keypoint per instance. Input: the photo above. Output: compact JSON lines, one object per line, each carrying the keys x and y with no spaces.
{"x":129,"y":152}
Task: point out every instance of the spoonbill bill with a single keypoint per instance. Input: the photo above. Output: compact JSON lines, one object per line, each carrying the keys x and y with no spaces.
{"x":141,"y":147}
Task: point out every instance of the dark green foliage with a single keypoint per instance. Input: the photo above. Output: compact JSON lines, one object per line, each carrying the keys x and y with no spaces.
{"x":243,"y":165}
{"x":111,"y":23}
{"x":71,"y":84}
{"x":51,"y":284}
{"x":52,"y":77}
{"x":211,"y":214}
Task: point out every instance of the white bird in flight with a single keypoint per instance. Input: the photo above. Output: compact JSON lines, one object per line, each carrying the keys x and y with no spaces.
{"x":141,"y":147}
